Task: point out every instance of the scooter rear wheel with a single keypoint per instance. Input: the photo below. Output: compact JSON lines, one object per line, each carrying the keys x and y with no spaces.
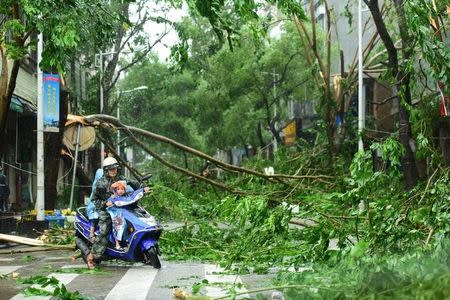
{"x":151,"y":258}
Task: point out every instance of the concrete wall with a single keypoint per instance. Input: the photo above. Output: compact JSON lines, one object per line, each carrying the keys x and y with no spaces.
{"x":344,"y":35}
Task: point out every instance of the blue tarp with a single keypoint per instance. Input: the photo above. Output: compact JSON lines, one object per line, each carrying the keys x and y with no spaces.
{"x":16,"y":105}
{"x":21,"y":105}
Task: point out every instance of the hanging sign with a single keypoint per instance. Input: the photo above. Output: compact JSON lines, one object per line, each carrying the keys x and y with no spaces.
{"x":51,"y":102}
{"x":290,"y":133}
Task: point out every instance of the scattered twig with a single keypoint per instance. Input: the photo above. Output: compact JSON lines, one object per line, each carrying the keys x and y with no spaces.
{"x":274,"y":288}
{"x":304,"y":223}
{"x":428,"y":184}
{"x":429,"y":236}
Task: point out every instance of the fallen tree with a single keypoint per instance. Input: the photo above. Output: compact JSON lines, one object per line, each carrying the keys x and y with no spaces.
{"x":112,"y":123}
{"x":33,"y":242}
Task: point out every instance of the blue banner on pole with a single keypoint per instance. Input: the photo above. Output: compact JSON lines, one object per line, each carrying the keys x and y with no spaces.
{"x":51,"y":102}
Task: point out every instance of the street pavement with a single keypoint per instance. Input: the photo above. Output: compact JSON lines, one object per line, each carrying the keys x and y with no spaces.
{"x":119,"y":280}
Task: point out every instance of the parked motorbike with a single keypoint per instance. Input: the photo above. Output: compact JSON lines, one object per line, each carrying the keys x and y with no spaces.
{"x":141,"y":234}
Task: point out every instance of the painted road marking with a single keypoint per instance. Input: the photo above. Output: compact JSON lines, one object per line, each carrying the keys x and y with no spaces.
{"x":64,"y":278}
{"x":4,"y":270}
{"x":212,"y":274}
{"x":134,"y":285}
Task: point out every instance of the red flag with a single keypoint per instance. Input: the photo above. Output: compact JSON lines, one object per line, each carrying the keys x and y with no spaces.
{"x":445,"y":100}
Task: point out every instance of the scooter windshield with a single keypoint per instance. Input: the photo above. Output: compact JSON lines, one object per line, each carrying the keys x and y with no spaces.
{"x":130,"y":199}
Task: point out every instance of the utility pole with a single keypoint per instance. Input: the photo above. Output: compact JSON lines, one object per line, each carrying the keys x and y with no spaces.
{"x":361,"y":94}
{"x":40,"y":199}
{"x":102,"y":146}
{"x":118,"y":131}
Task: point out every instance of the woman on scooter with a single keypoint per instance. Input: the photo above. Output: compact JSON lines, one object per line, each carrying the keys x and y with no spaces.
{"x":102,"y":193}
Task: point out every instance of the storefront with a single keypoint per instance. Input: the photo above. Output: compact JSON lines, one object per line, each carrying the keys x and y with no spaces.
{"x":19,"y":161}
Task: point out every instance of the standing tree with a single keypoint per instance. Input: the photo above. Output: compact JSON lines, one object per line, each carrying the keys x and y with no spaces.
{"x":132,"y":44}
{"x":64,"y":24}
{"x":335,"y":93}
{"x":400,"y":64}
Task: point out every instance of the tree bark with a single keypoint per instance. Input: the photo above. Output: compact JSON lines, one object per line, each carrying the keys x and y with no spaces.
{"x":262,"y":144}
{"x":10,"y":81}
{"x":4,"y":103}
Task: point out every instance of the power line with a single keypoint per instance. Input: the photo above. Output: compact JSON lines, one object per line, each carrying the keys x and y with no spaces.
{"x":17,"y":168}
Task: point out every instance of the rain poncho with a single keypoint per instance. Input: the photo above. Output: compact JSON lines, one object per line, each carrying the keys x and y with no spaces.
{"x":91,"y":211}
{"x":118,"y":222}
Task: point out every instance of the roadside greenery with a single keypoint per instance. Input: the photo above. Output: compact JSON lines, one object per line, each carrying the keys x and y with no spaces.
{"x":358,"y":276}
{"x":362,"y":234}
{"x":345,"y":223}
{"x":354,"y":233}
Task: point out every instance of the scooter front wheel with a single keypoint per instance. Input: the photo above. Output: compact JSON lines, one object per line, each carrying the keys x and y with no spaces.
{"x":151,"y":258}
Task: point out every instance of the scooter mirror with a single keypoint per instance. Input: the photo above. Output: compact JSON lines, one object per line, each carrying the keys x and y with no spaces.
{"x":146,"y":177}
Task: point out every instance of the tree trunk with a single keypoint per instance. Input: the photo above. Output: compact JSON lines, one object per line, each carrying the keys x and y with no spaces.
{"x":410,"y":171}
{"x":4,"y":105}
{"x":8,"y":82}
{"x":402,"y":86}
{"x":53,"y":146}
{"x":7,"y":86}
{"x":409,"y":160}
{"x":262,"y":144}
{"x":329,"y":122}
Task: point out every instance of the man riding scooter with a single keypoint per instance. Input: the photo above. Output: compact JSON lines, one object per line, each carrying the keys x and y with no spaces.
{"x":100,"y":199}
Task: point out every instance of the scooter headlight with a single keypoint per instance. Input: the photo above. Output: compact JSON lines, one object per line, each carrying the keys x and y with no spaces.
{"x":149,"y":221}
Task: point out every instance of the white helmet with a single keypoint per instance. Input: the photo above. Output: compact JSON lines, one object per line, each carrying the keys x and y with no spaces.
{"x":110,"y":163}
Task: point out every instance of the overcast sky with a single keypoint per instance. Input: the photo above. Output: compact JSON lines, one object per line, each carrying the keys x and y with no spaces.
{"x":155,"y":29}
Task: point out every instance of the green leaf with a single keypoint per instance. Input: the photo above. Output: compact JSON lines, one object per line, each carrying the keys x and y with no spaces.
{"x":359,"y":249}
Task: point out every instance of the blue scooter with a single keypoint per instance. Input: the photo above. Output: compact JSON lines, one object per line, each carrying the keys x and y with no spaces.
{"x":141,"y":234}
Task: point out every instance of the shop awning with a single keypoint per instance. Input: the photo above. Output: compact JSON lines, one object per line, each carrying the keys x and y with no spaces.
{"x":22,"y":106}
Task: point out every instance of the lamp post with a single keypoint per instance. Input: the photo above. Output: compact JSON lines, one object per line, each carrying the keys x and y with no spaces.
{"x":361,"y":94}
{"x":119,"y":93}
{"x":99,"y":63}
{"x":40,"y":195}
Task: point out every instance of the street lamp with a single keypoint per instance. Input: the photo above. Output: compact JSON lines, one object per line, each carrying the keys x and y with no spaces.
{"x":99,"y":63}
{"x":361,"y":95}
{"x":99,"y":59}
{"x":119,"y":93}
